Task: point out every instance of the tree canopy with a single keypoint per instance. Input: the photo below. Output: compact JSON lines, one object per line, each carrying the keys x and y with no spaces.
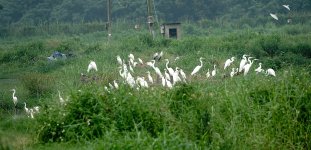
{"x":33,"y":11}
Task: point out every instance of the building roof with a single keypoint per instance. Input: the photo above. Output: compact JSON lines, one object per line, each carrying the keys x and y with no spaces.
{"x":172,"y":23}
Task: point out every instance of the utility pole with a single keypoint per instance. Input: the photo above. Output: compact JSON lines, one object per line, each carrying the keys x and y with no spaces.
{"x":108,"y":26}
{"x":150,"y":18}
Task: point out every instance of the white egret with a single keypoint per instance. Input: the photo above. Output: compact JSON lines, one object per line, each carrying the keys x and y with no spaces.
{"x":286,"y":6}
{"x":149,"y":77}
{"x":183,"y":75}
{"x":91,"y":66}
{"x":243,"y":62}
{"x":270,"y":72}
{"x":158,"y":56}
{"x":14,"y":97}
{"x":163,"y":81}
{"x":156,"y":69}
{"x":168,"y":84}
{"x":131,"y":56}
{"x":176,"y":77}
{"x":26,"y":109}
{"x":232,"y":73}
{"x":248,"y":66}
{"x":119,"y":60}
{"x":167,"y":76}
{"x":176,"y":58}
{"x":228,"y":62}
{"x":214,"y":71}
{"x":36,"y":109}
{"x":31,"y":113}
{"x":197,"y":68}
{"x":259,"y":69}
{"x":140,"y":61}
{"x":115,"y":84}
{"x":170,"y":70}
{"x":208,"y":74}
{"x":274,"y":16}
{"x":131,"y":68}
{"x":111,"y":86}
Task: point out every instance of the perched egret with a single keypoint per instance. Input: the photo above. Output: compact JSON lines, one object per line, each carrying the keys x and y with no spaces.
{"x":228,"y":62}
{"x":197,"y":68}
{"x":119,"y":60}
{"x":208,"y":74}
{"x":274,"y":16}
{"x":286,"y":6}
{"x":170,"y":70}
{"x":149,"y":77}
{"x":214,"y":71}
{"x":14,"y":97}
{"x":243,"y":62}
{"x":259,"y":69}
{"x":91,"y":66}
{"x":270,"y":72}
{"x":156,"y":69}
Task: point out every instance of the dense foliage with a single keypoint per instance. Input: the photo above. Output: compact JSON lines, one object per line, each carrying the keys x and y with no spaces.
{"x":32,"y":11}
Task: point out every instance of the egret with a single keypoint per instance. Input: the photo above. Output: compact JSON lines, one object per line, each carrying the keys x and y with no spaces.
{"x":149,"y":77}
{"x":140,"y":61}
{"x":183,"y":75}
{"x":232,"y":73}
{"x":248,"y":66}
{"x":167,"y":76}
{"x":156,"y":69}
{"x":258,"y":70}
{"x":131,"y":56}
{"x":111,"y":86}
{"x":14,"y":97}
{"x":31,"y":113}
{"x":131,"y":68}
{"x":243,"y":62}
{"x":36,"y":109}
{"x":197,"y":68}
{"x":176,"y":58}
{"x":115,"y":84}
{"x":119,"y":60}
{"x":274,"y":16}
{"x":170,"y":70}
{"x":214,"y":71}
{"x":286,"y":6}
{"x":26,"y":109}
{"x":270,"y":72}
{"x":157,"y":56}
{"x":228,"y":62}
{"x":176,"y":77}
{"x":163,"y":81}
{"x":91,"y":66}
{"x":168,"y":84}
{"x":208,"y":74}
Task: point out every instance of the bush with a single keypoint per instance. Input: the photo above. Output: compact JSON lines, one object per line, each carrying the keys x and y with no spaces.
{"x":38,"y":84}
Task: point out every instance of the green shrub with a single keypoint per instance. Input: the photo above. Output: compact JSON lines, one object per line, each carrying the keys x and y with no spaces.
{"x":38,"y":84}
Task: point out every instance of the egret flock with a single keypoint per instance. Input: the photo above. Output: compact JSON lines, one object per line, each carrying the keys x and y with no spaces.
{"x":274,"y":16}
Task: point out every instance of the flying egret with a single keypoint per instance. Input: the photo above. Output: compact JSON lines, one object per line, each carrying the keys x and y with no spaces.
{"x":197,"y":68}
{"x":214,"y":71}
{"x":119,"y":60}
{"x":274,"y":16}
{"x":228,"y":62}
{"x":91,"y":66}
{"x":14,"y":97}
{"x":270,"y":72}
{"x":259,"y":69}
{"x":149,"y":77}
{"x":208,"y":74}
{"x":170,"y":70}
{"x":243,"y":62}
{"x":286,"y":6}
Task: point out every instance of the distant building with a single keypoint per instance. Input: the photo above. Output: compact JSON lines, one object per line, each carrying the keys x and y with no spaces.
{"x":171,"y":30}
